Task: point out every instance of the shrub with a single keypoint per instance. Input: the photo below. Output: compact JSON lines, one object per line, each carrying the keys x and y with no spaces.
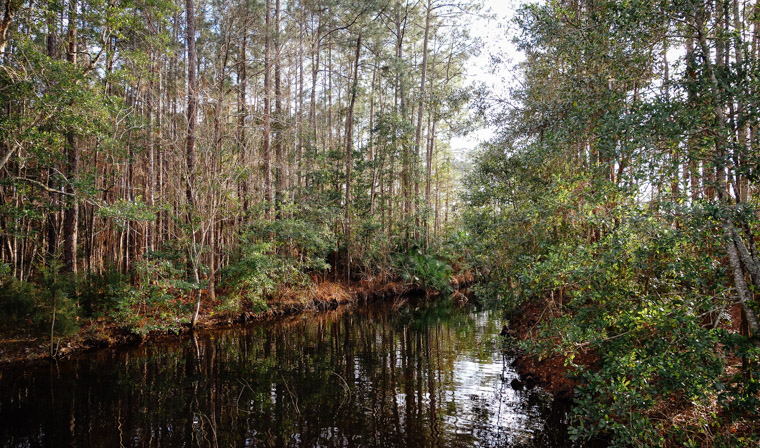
{"x":303,"y":244}
{"x":249,"y":279}
{"x":424,"y":270}
{"x":18,"y":303}
{"x":99,"y":294}
{"x":637,"y":298}
{"x":45,"y":301}
{"x":154,"y":302}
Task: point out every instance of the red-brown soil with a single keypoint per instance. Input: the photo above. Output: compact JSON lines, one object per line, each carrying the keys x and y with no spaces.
{"x":555,"y":376}
{"x":551,"y":373}
{"x":322,"y":296}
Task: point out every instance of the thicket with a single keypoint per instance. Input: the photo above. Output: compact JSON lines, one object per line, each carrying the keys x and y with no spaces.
{"x":271,"y":259}
{"x":619,"y":204}
{"x":154,"y":152}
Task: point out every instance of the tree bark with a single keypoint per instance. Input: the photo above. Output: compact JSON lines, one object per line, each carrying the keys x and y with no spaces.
{"x":280,"y":174}
{"x":192,"y":101}
{"x":370,"y":143}
{"x":151,"y":182}
{"x":192,"y":117}
{"x":429,"y":174}
{"x":71,"y":214}
{"x":744,"y":295}
{"x":420,"y":108}
{"x":267,"y":131}
{"x":10,"y":8}
{"x":349,"y":151}
{"x":243,"y":112}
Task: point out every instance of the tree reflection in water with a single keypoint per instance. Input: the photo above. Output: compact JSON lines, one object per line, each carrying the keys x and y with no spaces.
{"x":426,"y":375}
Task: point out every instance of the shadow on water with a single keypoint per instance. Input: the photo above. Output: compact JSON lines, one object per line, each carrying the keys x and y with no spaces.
{"x":426,"y":375}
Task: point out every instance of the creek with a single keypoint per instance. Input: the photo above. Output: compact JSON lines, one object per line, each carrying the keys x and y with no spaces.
{"x":426,"y":374}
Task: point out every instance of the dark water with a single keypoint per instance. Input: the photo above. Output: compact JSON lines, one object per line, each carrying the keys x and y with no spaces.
{"x":426,"y":375}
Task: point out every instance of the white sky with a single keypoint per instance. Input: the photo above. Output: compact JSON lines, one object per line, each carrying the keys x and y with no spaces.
{"x":496,"y":32}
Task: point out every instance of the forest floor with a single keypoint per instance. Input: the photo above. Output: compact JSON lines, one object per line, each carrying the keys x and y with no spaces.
{"x":321,"y":296}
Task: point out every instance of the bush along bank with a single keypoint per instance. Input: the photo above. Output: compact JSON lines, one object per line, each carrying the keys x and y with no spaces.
{"x":616,"y":209}
{"x":639,"y":330}
{"x":53,"y":315}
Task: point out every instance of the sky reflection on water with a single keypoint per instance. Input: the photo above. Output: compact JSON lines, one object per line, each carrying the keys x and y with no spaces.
{"x":428,"y":375}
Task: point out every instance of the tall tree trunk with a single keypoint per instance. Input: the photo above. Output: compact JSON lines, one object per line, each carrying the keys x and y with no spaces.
{"x":267,"y":132}
{"x":242,"y":74}
{"x":406,"y":165}
{"x":429,"y":172}
{"x":315,"y":49}
{"x":192,"y":117}
{"x":278,"y":134}
{"x":370,"y":143}
{"x":420,"y":109}
{"x":741,"y":125}
{"x":349,"y":151}
{"x":51,"y":221}
{"x":721,"y":143}
{"x":151,"y":181}
{"x":299,"y":130}
{"x":192,"y":101}
{"x":71,"y":215}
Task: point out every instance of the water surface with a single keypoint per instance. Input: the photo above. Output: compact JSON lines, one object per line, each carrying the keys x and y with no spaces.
{"x":426,"y":375}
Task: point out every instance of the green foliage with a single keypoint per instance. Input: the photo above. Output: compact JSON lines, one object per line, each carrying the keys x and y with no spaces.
{"x":424,"y":270}
{"x":305,"y":243}
{"x":372,"y":249}
{"x":597,"y":204}
{"x":640,"y":294}
{"x":123,"y":211}
{"x":740,"y":392}
{"x":249,"y":278}
{"x":58,"y":307}
{"x":273,"y":255}
{"x":99,"y":294}
{"x":18,"y":301}
{"x":154,"y":302}
{"x":31,"y":306}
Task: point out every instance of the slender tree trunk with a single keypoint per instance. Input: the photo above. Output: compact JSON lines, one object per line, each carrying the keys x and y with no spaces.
{"x":329,"y":94}
{"x":406,"y":162}
{"x":278,"y":134}
{"x":267,"y":132}
{"x":744,"y":295}
{"x":436,"y":221}
{"x":429,"y":173}
{"x":192,"y":101}
{"x":315,"y":50}
{"x":300,"y":130}
{"x":51,"y":221}
{"x":742,"y":181}
{"x":150,"y":184}
{"x":370,"y":143}
{"x":349,"y":151}
{"x":243,"y":112}
{"x":71,"y":215}
{"x":192,"y":117}
{"x":420,"y":109}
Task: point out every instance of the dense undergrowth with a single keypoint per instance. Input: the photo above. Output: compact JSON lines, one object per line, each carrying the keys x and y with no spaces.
{"x":618,"y":205}
{"x":271,"y":259}
{"x":654,"y":311}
